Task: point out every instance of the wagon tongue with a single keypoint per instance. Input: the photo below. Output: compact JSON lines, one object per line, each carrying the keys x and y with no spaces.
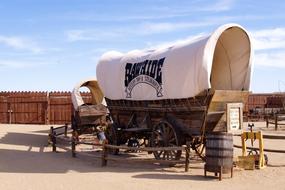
{"x":138,"y":129}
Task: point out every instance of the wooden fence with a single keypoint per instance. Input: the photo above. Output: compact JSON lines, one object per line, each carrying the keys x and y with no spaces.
{"x":258,"y":106}
{"x":56,"y":107}
{"x":37,"y":107}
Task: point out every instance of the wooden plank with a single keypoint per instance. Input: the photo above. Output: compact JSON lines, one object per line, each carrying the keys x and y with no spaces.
{"x":148,"y":160}
{"x":276,"y":137}
{"x":265,"y":150}
{"x":148,"y":149}
{"x":221,"y":97}
{"x":158,"y":109}
{"x":230,"y":96}
{"x":4,"y":117}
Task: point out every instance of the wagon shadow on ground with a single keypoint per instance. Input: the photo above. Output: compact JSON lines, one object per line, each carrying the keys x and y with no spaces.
{"x":24,"y":139}
{"x":29,"y":153}
{"x":25,"y":161}
{"x":45,"y":131}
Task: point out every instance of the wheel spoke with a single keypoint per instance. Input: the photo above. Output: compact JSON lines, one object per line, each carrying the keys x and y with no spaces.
{"x":199,"y":147}
{"x":172,"y":140}
{"x":166,"y":130}
{"x":164,"y":135}
{"x":172,"y":154}
{"x":164,"y":154}
{"x":159,"y":154}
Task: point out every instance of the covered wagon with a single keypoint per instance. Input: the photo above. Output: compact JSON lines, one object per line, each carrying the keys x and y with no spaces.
{"x":167,"y":96}
{"x":88,"y":117}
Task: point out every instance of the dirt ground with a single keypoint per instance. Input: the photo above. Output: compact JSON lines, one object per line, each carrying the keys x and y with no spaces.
{"x":27,"y":163}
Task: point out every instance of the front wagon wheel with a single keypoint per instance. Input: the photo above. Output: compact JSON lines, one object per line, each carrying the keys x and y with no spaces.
{"x":164,"y":135}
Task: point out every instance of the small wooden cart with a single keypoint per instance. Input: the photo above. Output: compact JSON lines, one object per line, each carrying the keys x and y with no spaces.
{"x":88,"y":118}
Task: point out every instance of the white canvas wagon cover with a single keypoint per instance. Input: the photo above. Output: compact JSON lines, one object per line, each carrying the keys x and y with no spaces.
{"x":220,"y":61}
{"x":96,"y":93}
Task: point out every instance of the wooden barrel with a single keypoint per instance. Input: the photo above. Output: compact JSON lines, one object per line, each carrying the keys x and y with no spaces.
{"x":219,"y":152}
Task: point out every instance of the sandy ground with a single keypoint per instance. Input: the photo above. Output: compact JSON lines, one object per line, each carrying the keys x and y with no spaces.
{"x":27,"y":163}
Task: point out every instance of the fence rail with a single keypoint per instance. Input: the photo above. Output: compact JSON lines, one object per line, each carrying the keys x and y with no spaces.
{"x":268,"y":136}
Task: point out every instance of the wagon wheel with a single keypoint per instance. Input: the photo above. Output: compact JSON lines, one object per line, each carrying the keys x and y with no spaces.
{"x":198,"y":146}
{"x":112,"y":137}
{"x":165,"y":135}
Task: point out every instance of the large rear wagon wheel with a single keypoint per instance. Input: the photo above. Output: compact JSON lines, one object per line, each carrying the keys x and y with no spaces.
{"x":199,"y":147}
{"x":165,"y":135}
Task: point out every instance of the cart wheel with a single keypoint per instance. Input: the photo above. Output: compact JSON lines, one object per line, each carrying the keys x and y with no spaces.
{"x":198,"y":146}
{"x":112,"y":137}
{"x":165,"y":135}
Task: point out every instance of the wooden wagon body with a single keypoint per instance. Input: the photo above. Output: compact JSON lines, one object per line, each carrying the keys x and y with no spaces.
{"x":171,"y":122}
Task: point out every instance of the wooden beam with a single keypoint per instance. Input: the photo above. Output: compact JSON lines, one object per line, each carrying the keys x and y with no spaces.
{"x":265,"y":150}
{"x":148,"y":149}
{"x":148,"y":160}
{"x":276,"y":137}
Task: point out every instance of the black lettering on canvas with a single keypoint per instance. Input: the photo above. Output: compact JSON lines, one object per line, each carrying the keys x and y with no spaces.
{"x":148,"y":71}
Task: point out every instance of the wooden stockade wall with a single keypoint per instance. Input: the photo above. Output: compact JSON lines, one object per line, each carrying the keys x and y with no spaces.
{"x":260,"y":105}
{"x":56,"y":107}
{"x":37,"y":107}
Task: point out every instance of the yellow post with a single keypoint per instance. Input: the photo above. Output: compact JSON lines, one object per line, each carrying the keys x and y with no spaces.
{"x":261,"y":151}
{"x":254,"y":135}
{"x":243,"y":139}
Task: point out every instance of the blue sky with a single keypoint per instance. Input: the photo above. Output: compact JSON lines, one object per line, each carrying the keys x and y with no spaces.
{"x":53,"y":44}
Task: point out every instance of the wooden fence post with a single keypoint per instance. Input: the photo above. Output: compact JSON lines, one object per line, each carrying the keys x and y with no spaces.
{"x":187,"y":159}
{"x":73,"y":144}
{"x":65,"y":129}
{"x":53,"y":139}
{"x":276,"y":122}
{"x":48,"y":109}
{"x":73,"y":149}
{"x":104,"y":155}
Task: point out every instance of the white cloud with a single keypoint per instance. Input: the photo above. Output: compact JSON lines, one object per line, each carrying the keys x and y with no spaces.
{"x":270,"y":47}
{"x":77,"y":35}
{"x":269,"y":39}
{"x":143,"y":29}
{"x":19,"y":64}
{"x":20,"y":44}
{"x":166,"y":44}
{"x":221,"y":5}
{"x":155,"y":11}
{"x":149,"y":28}
{"x":91,"y":35}
{"x":270,"y":59}
{"x":162,"y":27}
